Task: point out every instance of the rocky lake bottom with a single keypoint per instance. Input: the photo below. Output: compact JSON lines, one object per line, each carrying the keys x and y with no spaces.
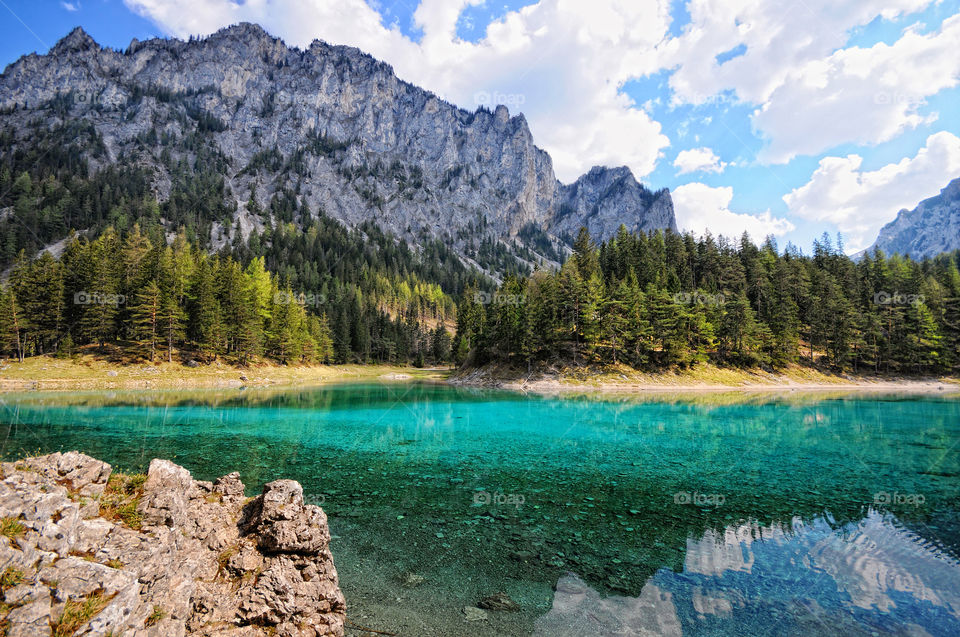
{"x":458,"y":511}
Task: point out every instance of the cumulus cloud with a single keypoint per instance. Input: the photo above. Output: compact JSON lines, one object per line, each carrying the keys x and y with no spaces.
{"x":561,"y":62}
{"x":698,"y":160}
{"x":860,"y":201}
{"x":700,"y":207}
{"x":861,"y":95}
{"x":811,"y":93}
{"x":777,"y":38}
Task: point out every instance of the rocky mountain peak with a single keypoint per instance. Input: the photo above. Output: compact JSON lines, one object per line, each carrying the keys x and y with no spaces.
{"x":331,"y":127}
{"x":76,"y":41}
{"x":929,"y":229}
{"x":951,"y":191}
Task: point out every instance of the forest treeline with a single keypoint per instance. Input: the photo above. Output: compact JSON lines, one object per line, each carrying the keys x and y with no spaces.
{"x":664,"y":301}
{"x":158,"y":297}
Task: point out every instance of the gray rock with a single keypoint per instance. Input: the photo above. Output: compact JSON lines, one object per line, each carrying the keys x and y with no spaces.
{"x":283,"y":524}
{"x":194,"y":562}
{"x":33,"y":618}
{"x":473,"y":614}
{"x":165,"y":494}
{"x":229,"y":484}
{"x":75,"y":578}
{"x":92,"y":534}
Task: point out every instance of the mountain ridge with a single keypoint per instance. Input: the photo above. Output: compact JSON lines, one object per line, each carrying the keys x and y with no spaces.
{"x":330,"y":124}
{"x":929,"y":229}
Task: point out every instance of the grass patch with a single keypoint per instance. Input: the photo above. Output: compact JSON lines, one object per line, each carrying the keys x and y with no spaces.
{"x":84,"y":556}
{"x":115,"y":563}
{"x":223,"y":559}
{"x":155,"y":616}
{"x":11,"y":528}
{"x":120,"y":498}
{"x":10,"y":578}
{"x":76,"y":613}
{"x":91,"y":371}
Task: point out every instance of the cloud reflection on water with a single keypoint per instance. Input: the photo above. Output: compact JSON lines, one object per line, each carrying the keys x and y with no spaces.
{"x":872,"y":577}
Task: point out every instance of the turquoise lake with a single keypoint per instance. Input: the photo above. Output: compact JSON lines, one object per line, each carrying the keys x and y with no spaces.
{"x":709,"y":514}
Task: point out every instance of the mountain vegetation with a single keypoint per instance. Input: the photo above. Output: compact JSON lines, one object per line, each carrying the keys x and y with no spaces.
{"x":322,"y":296}
{"x":663,"y":301}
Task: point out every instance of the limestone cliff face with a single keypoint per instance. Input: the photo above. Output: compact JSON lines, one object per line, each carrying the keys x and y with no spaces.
{"x":101,"y":554}
{"x":927,"y":230}
{"x":331,"y":123}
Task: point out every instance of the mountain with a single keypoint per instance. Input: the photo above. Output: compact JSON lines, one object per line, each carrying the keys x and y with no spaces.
{"x":927,"y":230}
{"x":326,"y":130}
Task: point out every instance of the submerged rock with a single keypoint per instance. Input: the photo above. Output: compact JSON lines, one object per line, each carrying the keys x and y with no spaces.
{"x":179,"y":557}
{"x":474,"y":614}
{"x":498,"y":601}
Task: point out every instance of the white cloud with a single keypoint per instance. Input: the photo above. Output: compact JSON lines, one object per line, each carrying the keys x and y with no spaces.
{"x":860,"y":202}
{"x":70,"y":6}
{"x":811,"y":93}
{"x":698,"y":160}
{"x":563,"y":61}
{"x":700,"y":207}
{"x":778,"y":37}
{"x":866,"y":96}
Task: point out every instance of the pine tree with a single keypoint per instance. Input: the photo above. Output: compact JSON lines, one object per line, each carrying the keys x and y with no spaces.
{"x":585,"y":255}
{"x":591,"y":315}
{"x":320,"y":332}
{"x":147,"y":315}
{"x":102,"y":300}
{"x":11,"y":323}
{"x":206,"y":318}
{"x":440,"y":344}
{"x":616,"y":320}
{"x":738,"y":334}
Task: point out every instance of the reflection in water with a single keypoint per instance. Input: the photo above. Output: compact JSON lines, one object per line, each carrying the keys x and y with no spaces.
{"x":872,"y":577}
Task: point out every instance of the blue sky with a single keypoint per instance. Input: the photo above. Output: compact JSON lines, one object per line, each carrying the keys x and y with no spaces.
{"x":783,"y":118}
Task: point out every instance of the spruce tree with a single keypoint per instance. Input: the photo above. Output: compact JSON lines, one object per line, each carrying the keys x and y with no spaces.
{"x":147,"y":316}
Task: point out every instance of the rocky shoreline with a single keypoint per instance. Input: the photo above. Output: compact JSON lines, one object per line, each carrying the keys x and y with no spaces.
{"x":88,"y":551}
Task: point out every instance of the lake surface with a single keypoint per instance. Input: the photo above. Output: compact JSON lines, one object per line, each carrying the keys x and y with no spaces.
{"x":710,"y":514}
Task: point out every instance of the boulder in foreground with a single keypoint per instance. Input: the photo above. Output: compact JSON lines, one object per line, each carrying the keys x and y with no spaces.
{"x":94,"y":552}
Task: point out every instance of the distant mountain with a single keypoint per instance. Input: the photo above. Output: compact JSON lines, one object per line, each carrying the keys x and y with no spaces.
{"x":327,"y":129}
{"x":927,"y":230}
